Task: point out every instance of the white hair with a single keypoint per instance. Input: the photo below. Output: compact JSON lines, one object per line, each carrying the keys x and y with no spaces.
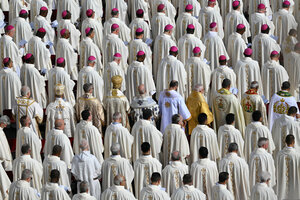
{"x":265,"y":176}
{"x":4,"y":120}
{"x":25,"y":90}
{"x":118,"y":179}
{"x":84,"y":145}
{"x":198,"y":87}
{"x":115,"y":149}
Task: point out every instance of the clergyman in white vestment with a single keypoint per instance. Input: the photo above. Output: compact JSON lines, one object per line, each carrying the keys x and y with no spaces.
{"x":261,"y":190}
{"x":219,"y":190}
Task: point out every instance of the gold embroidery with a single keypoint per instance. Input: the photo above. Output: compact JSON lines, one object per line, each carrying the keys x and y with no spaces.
{"x":281,"y":107}
{"x":203,"y":171}
{"x":167,"y":104}
{"x":177,"y":181}
{"x":232,"y":179}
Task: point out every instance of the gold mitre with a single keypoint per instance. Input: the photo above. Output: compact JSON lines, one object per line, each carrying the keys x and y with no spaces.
{"x":116,"y":81}
{"x":59,"y":89}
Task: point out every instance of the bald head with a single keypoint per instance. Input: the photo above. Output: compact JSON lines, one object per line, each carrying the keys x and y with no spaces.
{"x":175,"y":156}
{"x":198,"y":88}
{"x":141,"y":89}
{"x":59,"y":124}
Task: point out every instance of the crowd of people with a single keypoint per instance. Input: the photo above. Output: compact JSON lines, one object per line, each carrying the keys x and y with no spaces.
{"x":149,"y":100}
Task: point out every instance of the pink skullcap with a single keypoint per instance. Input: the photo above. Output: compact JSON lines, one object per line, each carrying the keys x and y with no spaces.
{"x":189,"y":7}
{"x":27,"y":56}
{"x":273,"y":53}
{"x":115,"y":10}
{"x":248,"y":52}
{"x":42,"y":30}
{"x":191,"y":26}
{"x":92,"y":58}
{"x":196,"y":50}
{"x":140,"y":53}
{"x":115,"y":26}
{"x":139,"y":30}
{"x":264,"y":27}
{"x":160,"y":7}
{"x":60,"y":60}
{"x":168,"y":27}
{"x":9,"y":27}
{"x":117,"y":55}
{"x":44,"y":8}
{"x":87,"y":30}
{"x":287,"y":3}
{"x":23,"y":12}
{"x":240,"y":26}
{"x":89,"y":12}
{"x":235,"y":3}
{"x":5,"y":60}
{"x":222,"y":57}
{"x":64,"y":13}
{"x":63,"y":31}
{"x":173,"y":49}
{"x":261,"y":6}
{"x":212,"y":1}
{"x":213,"y":25}
{"x":139,"y":11}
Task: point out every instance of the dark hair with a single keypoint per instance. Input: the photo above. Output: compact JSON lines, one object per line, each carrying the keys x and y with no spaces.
{"x":24,"y":15}
{"x":25,"y":148}
{"x":176,"y":119}
{"x":85,"y":114}
{"x":292,"y":110}
{"x":56,"y":149}
{"x":236,"y":7}
{"x":223,"y":176}
{"x":256,"y":115}
{"x":285,"y":6}
{"x":266,"y":31}
{"x":23,"y":120}
{"x":54,"y":174}
{"x":147,"y":113}
{"x":203,"y":152}
{"x":43,"y":13}
{"x":90,"y":32}
{"x":233,"y":147}
{"x":155,"y":177}
{"x":187,"y":178}
{"x":226,"y":83}
{"x":230,"y":118}
{"x":285,"y":85}
{"x":139,"y":15}
{"x":145,"y":147}
{"x":113,"y":29}
{"x":173,"y":83}
{"x":202,"y":118}
{"x":68,"y":15}
{"x":40,"y":34}
{"x":63,"y":64}
{"x":140,"y":33}
{"x":114,"y":13}
{"x":190,"y":31}
{"x":290,"y":139}
{"x":29,"y":60}
{"x":7,"y":63}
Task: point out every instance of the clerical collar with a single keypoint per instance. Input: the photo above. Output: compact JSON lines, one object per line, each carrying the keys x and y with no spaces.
{"x":284,"y":93}
{"x":251,"y":91}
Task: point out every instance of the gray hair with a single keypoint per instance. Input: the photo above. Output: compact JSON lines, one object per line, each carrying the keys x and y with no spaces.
{"x":176,"y":119}
{"x":25,"y":90}
{"x":262,"y":141}
{"x":84,"y":144}
{"x":265,"y":176}
{"x":175,"y":156}
{"x":91,"y":61}
{"x":118,"y":179}
{"x":5,"y":120}
{"x":233,"y":147}
{"x":254,"y":85}
{"x":83,"y":187}
{"x":26,"y":173}
{"x":117,"y":116}
{"x":198,"y":87}
{"x":115,"y":149}
{"x":87,"y":87}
